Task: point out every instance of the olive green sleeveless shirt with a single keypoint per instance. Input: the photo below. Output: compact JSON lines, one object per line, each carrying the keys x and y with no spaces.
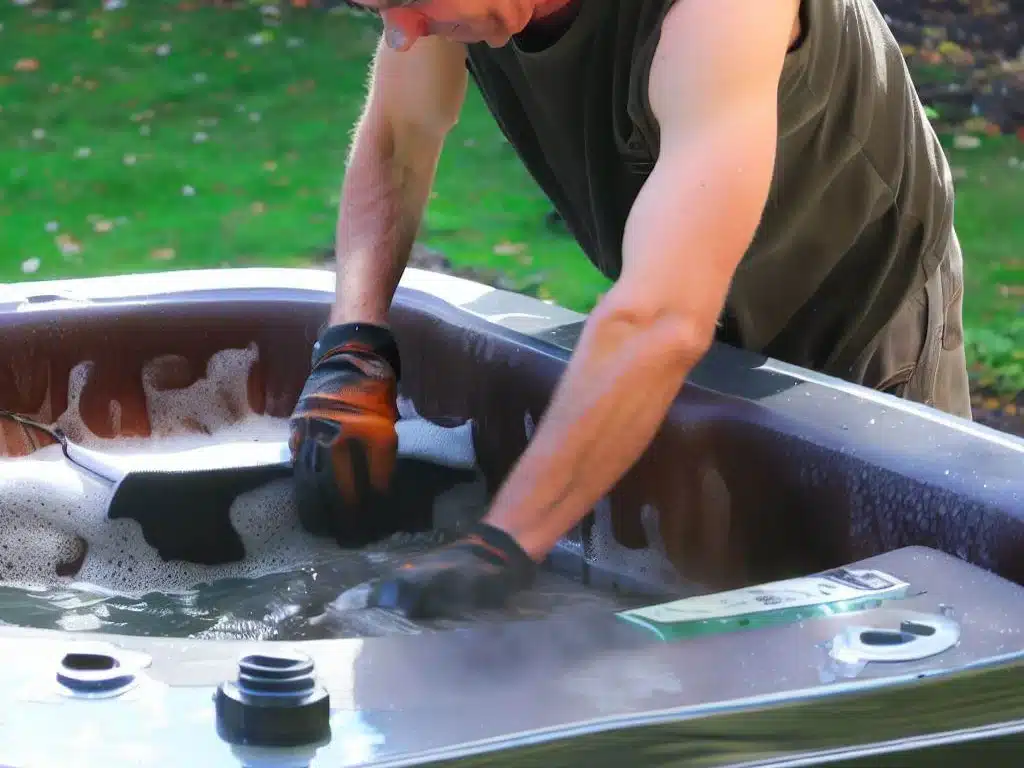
{"x":860,"y":208}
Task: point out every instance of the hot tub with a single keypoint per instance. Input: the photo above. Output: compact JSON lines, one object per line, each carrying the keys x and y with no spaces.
{"x":762,"y":472}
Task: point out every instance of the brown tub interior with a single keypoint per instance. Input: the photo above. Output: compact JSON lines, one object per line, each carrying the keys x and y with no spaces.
{"x":737,"y":500}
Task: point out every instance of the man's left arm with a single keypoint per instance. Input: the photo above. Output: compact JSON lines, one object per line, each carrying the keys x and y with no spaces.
{"x":714,"y":91}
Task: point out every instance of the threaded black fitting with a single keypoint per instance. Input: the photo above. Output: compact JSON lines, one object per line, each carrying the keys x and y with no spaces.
{"x":274,"y":702}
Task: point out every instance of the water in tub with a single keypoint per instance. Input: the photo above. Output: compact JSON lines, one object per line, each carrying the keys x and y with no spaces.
{"x":52,"y":514}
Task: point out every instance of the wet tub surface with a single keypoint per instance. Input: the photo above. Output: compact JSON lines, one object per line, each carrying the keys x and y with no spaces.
{"x":760,"y":472}
{"x":289,"y":606}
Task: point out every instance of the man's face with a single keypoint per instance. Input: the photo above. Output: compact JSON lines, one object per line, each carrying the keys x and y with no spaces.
{"x":465,"y":21}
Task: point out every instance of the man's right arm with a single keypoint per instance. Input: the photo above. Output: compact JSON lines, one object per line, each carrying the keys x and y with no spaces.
{"x":414,"y":100}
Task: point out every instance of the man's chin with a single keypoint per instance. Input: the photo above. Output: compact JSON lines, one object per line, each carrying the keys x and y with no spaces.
{"x":493,"y":41}
{"x":498,"y":42}
{"x":494,"y":37}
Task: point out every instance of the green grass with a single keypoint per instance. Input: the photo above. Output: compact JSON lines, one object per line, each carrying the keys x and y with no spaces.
{"x":260,"y":133}
{"x":266,"y":191}
{"x":990,"y":224}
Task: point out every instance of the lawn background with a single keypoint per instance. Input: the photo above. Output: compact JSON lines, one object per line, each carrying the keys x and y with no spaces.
{"x":164,"y":135}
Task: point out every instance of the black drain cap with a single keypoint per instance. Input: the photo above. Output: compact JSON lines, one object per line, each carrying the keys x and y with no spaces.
{"x":274,"y":702}
{"x":86,"y":672}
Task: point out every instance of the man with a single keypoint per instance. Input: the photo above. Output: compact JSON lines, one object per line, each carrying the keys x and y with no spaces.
{"x":761,"y":173}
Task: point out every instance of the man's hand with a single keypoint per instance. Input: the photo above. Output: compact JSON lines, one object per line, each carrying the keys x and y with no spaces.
{"x":477,"y":572}
{"x":714,"y":90}
{"x":343,"y":439}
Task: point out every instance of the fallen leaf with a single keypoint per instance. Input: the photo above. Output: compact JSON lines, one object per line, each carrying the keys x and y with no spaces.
{"x":258,"y":208}
{"x":975,"y":125}
{"x":163,"y":254}
{"x":1011,"y":291}
{"x":68,"y":245}
{"x":31,"y":266}
{"x":270,"y":165}
{"x":26,"y":65}
{"x":509,"y":249}
{"x":102,"y":226}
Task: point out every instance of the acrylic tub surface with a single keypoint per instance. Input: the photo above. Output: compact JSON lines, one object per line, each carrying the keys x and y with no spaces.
{"x":761,"y":472}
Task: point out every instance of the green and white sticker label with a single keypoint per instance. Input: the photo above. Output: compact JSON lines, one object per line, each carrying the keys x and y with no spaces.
{"x":823,"y":594}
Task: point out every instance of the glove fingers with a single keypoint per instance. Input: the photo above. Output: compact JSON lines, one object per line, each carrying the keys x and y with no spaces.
{"x":423,"y":595}
{"x":355,"y":482}
{"x":492,"y":593}
{"x":430,"y":590}
{"x":316,"y":508}
{"x":320,"y":506}
{"x":398,"y":595}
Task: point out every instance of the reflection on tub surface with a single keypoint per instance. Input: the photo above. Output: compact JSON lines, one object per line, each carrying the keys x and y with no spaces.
{"x":287,"y":605}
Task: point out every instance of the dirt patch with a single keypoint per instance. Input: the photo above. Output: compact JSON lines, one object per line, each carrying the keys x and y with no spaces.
{"x":999,"y":411}
{"x":966,"y":57}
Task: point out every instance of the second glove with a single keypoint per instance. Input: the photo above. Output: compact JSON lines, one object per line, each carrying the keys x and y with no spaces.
{"x":342,"y":434}
{"x":479,"y":571}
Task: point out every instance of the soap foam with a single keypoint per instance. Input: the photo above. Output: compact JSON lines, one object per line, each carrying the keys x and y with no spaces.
{"x":52,"y":513}
{"x":53,"y":517}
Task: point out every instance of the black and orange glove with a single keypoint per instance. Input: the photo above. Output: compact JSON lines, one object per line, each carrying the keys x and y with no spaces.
{"x":343,"y":439}
{"x":479,"y":571}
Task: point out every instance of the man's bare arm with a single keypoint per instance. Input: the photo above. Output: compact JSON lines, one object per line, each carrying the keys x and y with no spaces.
{"x":414,"y":100}
{"x":713,"y":88}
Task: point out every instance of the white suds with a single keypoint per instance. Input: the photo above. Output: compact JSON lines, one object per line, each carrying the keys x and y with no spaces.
{"x":49,"y":509}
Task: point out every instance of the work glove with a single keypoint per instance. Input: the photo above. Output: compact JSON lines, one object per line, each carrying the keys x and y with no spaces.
{"x":479,"y":571}
{"x":342,"y":434}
